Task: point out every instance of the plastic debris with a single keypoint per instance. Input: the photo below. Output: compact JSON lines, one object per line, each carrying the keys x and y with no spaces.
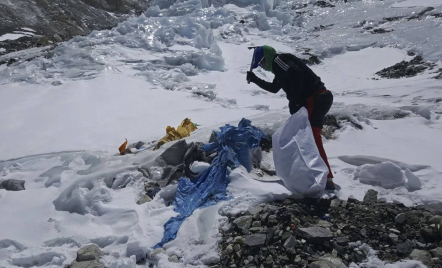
{"x":233,"y":146}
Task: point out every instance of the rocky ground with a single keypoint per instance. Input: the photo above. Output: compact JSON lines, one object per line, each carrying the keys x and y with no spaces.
{"x":54,"y":21}
{"x":407,"y":68}
{"x":331,"y":233}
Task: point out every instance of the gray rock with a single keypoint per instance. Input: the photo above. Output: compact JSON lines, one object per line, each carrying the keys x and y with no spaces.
{"x":88,"y":256}
{"x":395,"y":231}
{"x":436,"y":219}
{"x":406,"y":247}
{"x":12,"y":185}
{"x":336,"y":202}
{"x":256,"y":224}
{"x":174,"y":259}
{"x":425,"y":10}
{"x":342,"y":241}
{"x":371,"y":196}
{"x":255,"y":240}
{"x":155,"y":254}
{"x":269,"y":259}
{"x":229,"y":249}
{"x":89,"y":253}
{"x":316,"y":235}
{"x":328,"y":262}
{"x":243,"y":222}
{"x":256,"y":229}
{"x":394,"y":238}
{"x":290,"y":242}
{"x":324,"y":224}
{"x":57,"y":38}
{"x":237,"y":248}
{"x":421,"y":255}
{"x":400,"y":218}
{"x":254,"y":210}
{"x":436,"y":253}
{"x":144,"y":199}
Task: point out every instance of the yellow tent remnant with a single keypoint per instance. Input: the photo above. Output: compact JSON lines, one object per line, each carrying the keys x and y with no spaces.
{"x":182,"y":131}
{"x":122,"y":148}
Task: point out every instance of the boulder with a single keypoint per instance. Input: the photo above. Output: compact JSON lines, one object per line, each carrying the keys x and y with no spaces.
{"x":400,"y":218}
{"x":371,"y":196}
{"x":406,"y":247}
{"x":316,"y":235}
{"x":88,"y":257}
{"x":329,"y":262}
{"x":423,"y":256}
{"x":12,"y":185}
{"x":243,"y":222}
{"x":255,"y":240}
{"x":437,"y":252}
{"x":290,"y":242}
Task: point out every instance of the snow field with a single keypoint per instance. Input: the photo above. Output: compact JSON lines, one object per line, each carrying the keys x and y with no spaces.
{"x":64,"y":116}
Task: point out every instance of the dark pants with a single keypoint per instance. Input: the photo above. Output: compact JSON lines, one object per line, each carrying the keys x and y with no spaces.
{"x":317,"y":107}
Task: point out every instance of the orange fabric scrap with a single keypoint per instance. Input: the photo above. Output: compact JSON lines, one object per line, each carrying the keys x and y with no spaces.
{"x":122,"y":148}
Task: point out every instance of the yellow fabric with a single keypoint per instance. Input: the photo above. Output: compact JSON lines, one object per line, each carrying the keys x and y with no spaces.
{"x":182,"y":131}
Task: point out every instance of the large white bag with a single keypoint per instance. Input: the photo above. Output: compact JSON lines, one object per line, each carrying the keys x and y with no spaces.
{"x":297,"y":159}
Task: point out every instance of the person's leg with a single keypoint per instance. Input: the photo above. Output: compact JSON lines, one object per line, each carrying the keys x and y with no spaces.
{"x":317,"y":107}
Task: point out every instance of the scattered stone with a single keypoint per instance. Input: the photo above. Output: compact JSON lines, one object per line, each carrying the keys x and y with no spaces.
{"x":437,"y":252}
{"x":144,"y":199}
{"x":58,"y":38}
{"x":155,"y":254}
{"x":256,"y":224}
{"x":423,"y":256}
{"x":405,"y":69}
{"x":336,"y":202}
{"x":342,"y":241}
{"x":269,"y":259}
{"x":243,"y":222}
{"x":405,"y":248}
{"x":290,"y":242}
{"x":88,"y":256}
{"x":400,"y":218}
{"x":395,"y":231}
{"x":428,"y":234}
{"x":174,"y":259}
{"x":254,"y":210}
{"x":255,"y":240}
{"x":394,"y":238}
{"x":436,"y":219}
{"x":237,"y":248}
{"x":229,"y":249}
{"x":328,"y":263}
{"x":371,"y":196}
{"x":12,"y":185}
{"x":324,"y":224}
{"x":316,"y":235}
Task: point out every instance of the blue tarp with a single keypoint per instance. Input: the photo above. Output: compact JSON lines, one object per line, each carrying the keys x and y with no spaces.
{"x":233,"y":146}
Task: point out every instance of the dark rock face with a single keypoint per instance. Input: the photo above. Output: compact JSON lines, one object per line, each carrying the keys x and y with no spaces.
{"x":330,"y":233}
{"x":59,"y":20}
{"x":406,"y":68}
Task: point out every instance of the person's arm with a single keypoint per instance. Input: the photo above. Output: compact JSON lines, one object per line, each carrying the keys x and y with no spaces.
{"x":273,"y":87}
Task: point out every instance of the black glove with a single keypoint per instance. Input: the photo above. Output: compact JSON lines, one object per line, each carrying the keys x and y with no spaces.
{"x":251,"y":77}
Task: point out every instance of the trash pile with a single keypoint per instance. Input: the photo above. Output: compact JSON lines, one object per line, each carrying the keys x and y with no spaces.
{"x":232,"y":147}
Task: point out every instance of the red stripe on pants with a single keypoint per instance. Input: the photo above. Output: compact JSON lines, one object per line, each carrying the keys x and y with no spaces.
{"x":317,"y":135}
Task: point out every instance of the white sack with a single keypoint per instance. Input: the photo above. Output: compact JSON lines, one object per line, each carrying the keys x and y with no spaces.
{"x":297,"y":159}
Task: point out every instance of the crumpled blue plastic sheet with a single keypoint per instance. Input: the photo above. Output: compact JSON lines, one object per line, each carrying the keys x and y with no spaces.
{"x":233,"y":146}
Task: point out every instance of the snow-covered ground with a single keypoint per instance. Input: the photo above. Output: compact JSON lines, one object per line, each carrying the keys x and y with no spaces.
{"x":64,"y":115}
